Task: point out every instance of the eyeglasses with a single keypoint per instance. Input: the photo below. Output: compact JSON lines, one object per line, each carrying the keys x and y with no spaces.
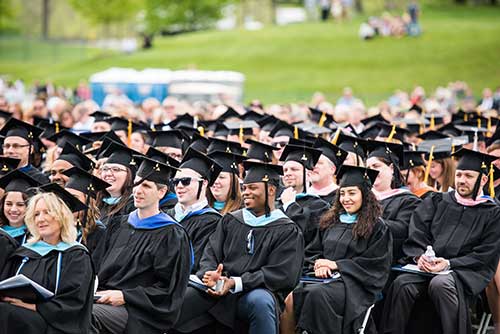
{"x":113,"y":170}
{"x":14,"y":146}
{"x":185,"y":181}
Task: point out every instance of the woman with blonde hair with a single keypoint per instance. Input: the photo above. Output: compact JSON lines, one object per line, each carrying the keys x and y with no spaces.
{"x":53,"y":259}
{"x":442,"y":171}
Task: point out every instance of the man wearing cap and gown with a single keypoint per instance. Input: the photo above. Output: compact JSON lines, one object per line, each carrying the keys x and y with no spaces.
{"x":304,"y":208}
{"x":19,"y":144}
{"x":171,"y":142}
{"x":143,"y":275}
{"x":70,"y":157}
{"x":257,"y":252}
{"x":196,"y":172}
{"x":462,"y":228}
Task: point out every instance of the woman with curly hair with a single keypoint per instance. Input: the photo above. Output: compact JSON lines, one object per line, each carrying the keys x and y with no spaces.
{"x":351,"y":252}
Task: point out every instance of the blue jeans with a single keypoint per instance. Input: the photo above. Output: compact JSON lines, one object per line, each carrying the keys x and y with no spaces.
{"x":258,"y":309}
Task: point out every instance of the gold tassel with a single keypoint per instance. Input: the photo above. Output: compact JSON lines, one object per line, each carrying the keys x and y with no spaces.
{"x":201,"y":130}
{"x":489,"y":134}
{"x":241,"y":134}
{"x":391,"y":134}
{"x":296,"y":132}
{"x":129,"y":133}
{"x":57,"y":127}
{"x":433,"y":122}
{"x":492,"y":182}
{"x":466,"y":117}
{"x":336,"y":137}
{"x":322,"y":119}
{"x":428,"y":167}
{"x":478,"y":122}
{"x":420,"y":128}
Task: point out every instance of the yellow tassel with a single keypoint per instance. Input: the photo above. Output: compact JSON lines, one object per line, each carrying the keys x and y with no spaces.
{"x":466,"y":117}
{"x":492,"y":181}
{"x":391,"y":134}
{"x":296,"y":132}
{"x":420,"y":128}
{"x":336,"y":137}
{"x":201,"y":130}
{"x":489,"y":134}
{"x":433,"y":122}
{"x":129,"y":132}
{"x":478,"y":122}
{"x":57,"y":127}
{"x":241,"y":134}
{"x":322,"y":119}
{"x":428,"y":167}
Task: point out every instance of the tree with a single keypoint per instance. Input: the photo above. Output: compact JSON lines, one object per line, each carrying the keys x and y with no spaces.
{"x":358,"y":5}
{"x":7,"y":17}
{"x":45,"y":18}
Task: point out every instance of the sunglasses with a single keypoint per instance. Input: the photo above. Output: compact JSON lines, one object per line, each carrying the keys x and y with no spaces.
{"x":185,"y":181}
{"x":280,"y":144}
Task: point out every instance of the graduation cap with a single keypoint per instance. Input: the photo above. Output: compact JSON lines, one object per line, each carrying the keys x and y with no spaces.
{"x":222,"y":145}
{"x":440,"y":148}
{"x":75,"y":157}
{"x":200,"y":143}
{"x":252,"y":115}
{"x":391,"y":131}
{"x":262,"y":172}
{"x":241,"y":128}
{"x":412,"y":159}
{"x":8,"y":164}
{"x":49,"y":126}
{"x":267,"y":122}
{"x":229,"y":113}
{"x":352,"y":144}
{"x":350,"y":176}
{"x":185,"y":120}
{"x":71,"y":201}
{"x":321,"y":117}
{"x":314,"y":130}
{"x":495,"y":138}
{"x":432,"y":135}
{"x":122,"y":124}
{"x":479,"y":162}
{"x":65,"y":136}
{"x":417,"y":108}
{"x":5,"y":114}
{"x":260,"y":151}
{"x":450,"y":130}
{"x":284,"y":129}
{"x":169,"y":138}
{"x":434,"y":120}
{"x":157,"y":155}
{"x":17,"y":128}
{"x":374,"y":119}
{"x":229,"y":163}
{"x":122,"y":155}
{"x":475,"y":134}
{"x":332,"y":152}
{"x":389,"y":151}
{"x":17,"y":181}
{"x":304,"y":155}
{"x":203,"y":165}
{"x":154,"y":171}
{"x":414,"y":126}
{"x":100,"y":116}
{"x":84,"y":182}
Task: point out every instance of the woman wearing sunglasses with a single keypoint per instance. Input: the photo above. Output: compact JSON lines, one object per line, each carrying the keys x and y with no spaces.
{"x":196,"y":172}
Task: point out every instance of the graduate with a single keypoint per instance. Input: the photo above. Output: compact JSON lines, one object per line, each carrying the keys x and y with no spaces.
{"x":323,"y":174}
{"x":257,"y":252}
{"x":304,"y":208}
{"x":144,"y":274}
{"x":171,"y":142}
{"x":225,"y":194}
{"x":397,"y":201}
{"x":196,"y":173}
{"x":19,"y":144}
{"x":462,"y":228}
{"x":8,"y":245}
{"x":414,"y":171}
{"x":70,"y":157}
{"x":354,"y":241}
{"x":13,"y":204}
{"x":53,"y":259}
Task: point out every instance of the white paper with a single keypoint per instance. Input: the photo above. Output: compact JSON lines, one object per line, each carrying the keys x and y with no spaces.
{"x":414,"y":267}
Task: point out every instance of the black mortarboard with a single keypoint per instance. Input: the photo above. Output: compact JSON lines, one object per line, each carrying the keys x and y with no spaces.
{"x":321,"y":117}
{"x":472,"y":132}
{"x":302,"y":142}
{"x":72,"y":155}
{"x":17,"y":128}
{"x":414,"y":126}
{"x":17,"y":181}
{"x":100,"y":116}
{"x":374,"y":119}
{"x":229,"y":113}
{"x":314,"y":129}
{"x":332,"y":152}
{"x":155,"y":171}
{"x":370,"y":132}
{"x":122,"y":155}
{"x":412,"y":159}
{"x":5,"y":114}
{"x":200,"y":143}
{"x":352,"y":144}
{"x":267,"y":122}
{"x":442,"y":148}
{"x":433,"y":118}
{"x":122,"y":124}
{"x":202,"y":164}
{"x":84,"y":182}
{"x":157,"y":155}
{"x":260,"y":151}
{"x":350,"y":176}
{"x":222,"y":145}
{"x":184,"y":120}
{"x":473,"y":160}
{"x":228,"y":161}
{"x":71,"y":201}
{"x":417,"y":108}
{"x":306,"y":156}
{"x":65,"y":136}
{"x":241,"y":127}
{"x":450,"y":130}
{"x":49,"y":127}
{"x":251,"y":115}
{"x":432,"y":134}
{"x":284,"y":129}
{"x":8,"y":164}
{"x":389,"y":151}
{"x":169,"y":138}
{"x":392,"y":131}
{"x":261,"y":172}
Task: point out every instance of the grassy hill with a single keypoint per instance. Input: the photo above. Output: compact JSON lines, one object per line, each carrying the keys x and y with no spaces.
{"x":284,"y":64}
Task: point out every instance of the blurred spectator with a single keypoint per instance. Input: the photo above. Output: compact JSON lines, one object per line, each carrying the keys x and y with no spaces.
{"x":148,"y":105}
{"x":347,"y":98}
{"x":488,"y":101}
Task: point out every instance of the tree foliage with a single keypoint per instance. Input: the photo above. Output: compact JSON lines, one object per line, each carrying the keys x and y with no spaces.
{"x":107,"y":11}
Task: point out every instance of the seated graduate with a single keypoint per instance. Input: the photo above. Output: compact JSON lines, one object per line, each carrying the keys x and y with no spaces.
{"x":19,"y":143}
{"x":303,"y":208}
{"x":53,"y":259}
{"x":462,"y":228}
{"x":353,"y":241}
{"x":85,"y":186}
{"x":144,"y":274}
{"x":196,"y":172}
{"x":13,"y":204}
{"x":415,"y":171}
{"x":257,"y":252}
{"x":225,"y":194}
{"x":70,"y":157}
{"x":323,"y":174}
{"x":398,"y":203}
{"x":8,"y":245}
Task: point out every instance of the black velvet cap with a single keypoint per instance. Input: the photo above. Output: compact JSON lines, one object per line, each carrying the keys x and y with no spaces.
{"x":17,"y":181}
{"x":72,"y":155}
{"x":267,"y":122}
{"x":350,"y":176}
{"x":222,"y":145}
{"x":8,"y":164}
{"x":49,"y":127}
{"x":387,"y":129}
{"x":353,"y":144}
{"x":260,"y":151}
{"x":99,"y":136}
{"x":65,"y":136}
{"x":71,"y":201}
{"x":450,"y":130}
{"x":155,"y":171}
{"x":321,"y":117}
{"x":17,"y":128}
{"x":284,"y":129}
{"x":389,"y":151}
{"x":413,"y":159}
{"x":100,"y":116}
{"x":202,"y":164}
{"x":120,"y":123}
{"x":432,"y":134}
{"x":473,"y":160}
{"x":200,"y":143}
{"x":184,"y":120}
{"x":374,"y":119}
{"x":306,"y":156}
{"x":252,"y":115}
{"x":442,"y":148}
{"x":157,"y":155}
{"x":228,"y":161}
{"x":332,"y":152}
{"x":85,"y":182}
{"x":262,"y":172}
{"x":169,"y":138}
{"x":246,"y":126}
{"x":122,"y":155}
{"x":229,"y":113}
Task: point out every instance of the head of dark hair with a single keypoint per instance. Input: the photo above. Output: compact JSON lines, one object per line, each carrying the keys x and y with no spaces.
{"x":3,"y":220}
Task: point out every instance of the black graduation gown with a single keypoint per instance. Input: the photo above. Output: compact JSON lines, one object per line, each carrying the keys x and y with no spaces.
{"x":151,"y":267}
{"x":36,"y":174}
{"x":328,"y":198}
{"x":199,"y":225}
{"x":7,"y":246}
{"x":168,"y":202}
{"x":275,"y":265}
{"x":396,"y":213}
{"x":69,"y":311}
{"x":364,"y":266}
{"x":466,"y":236}
{"x":306,"y":212}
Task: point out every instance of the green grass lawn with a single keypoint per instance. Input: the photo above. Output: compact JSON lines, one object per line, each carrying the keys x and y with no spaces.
{"x":284,"y":64}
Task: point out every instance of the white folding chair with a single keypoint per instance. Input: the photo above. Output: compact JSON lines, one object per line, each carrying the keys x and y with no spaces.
{"x":483,"y":324}
{"x":361,"y":330}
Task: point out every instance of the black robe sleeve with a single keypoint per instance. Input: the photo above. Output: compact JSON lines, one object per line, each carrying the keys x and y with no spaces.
{"x":7,"y":247}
